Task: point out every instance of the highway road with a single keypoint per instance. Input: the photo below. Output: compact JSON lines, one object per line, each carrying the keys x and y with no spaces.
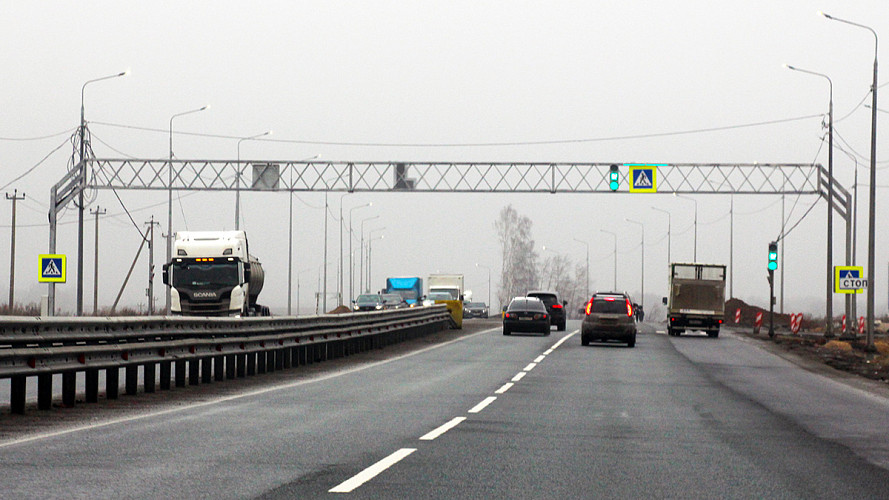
{"x":488,"y":416}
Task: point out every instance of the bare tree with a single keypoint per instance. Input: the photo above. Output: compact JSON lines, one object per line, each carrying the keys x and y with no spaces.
{"x":519,"y":270}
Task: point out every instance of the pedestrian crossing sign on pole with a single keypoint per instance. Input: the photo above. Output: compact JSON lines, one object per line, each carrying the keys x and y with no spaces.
{"x":53,"y":268}
{"x":849,"y":279}
{"x":643,"y":178}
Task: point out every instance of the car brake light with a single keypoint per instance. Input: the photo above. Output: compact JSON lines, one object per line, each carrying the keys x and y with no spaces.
{"x":506,"y":315}
{"x":609,"y":299}
{"x":557,"y":306}
{"x":589,"y":306}
{"x":629,"y":308}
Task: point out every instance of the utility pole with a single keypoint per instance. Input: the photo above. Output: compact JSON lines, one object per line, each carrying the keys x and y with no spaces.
{"x":151,"y":223}
{"x":14,"y":198}
{"x":97,"y":212}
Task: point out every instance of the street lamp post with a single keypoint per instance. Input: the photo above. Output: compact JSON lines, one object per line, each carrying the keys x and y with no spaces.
{"x":351,"y":235}
{"x":238,"y":176}
{"x":695,"y":258}
{"x":361,"y":254}
{"x":871,"y":237}
{"x":669,"y":226}
{"x":80,"y":206}
{"x":828,"y":328}
{"x":642,"y":227}
{"x":170,"y":201}
{"x":489,"y":283}
{"x":369,"y":261}
{"x":614,"y":289}
{"x":587,"y":265}
{"x":368,"y":276}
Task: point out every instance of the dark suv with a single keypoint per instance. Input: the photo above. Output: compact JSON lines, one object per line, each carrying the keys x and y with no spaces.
{"x":554,"y":306}
{"x":609,"y":316}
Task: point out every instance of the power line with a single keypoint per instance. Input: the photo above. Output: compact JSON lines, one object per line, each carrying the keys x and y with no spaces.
{"x":484,"y":144}
{"x":40,"y":138}
{"x":36,"y":165}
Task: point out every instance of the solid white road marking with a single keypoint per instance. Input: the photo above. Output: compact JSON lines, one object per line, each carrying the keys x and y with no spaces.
{"x":540,"y":358}
{"x":529,"y":367}
{"x":505,"y":388}
{"x":371,"y":472}
{"x":429,"y":436}
{"x":481,"y":406}
{"x":519,"y":376}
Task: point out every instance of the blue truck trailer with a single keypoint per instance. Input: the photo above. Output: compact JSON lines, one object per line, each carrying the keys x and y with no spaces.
{"x":411,"y":288}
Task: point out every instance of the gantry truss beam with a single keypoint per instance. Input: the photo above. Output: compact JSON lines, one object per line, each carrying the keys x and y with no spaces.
{"x":465,"y":177}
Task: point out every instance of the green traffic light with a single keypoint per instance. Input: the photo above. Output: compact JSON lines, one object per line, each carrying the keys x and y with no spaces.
{"x":773,"y":265}
{"x":614,"y":178}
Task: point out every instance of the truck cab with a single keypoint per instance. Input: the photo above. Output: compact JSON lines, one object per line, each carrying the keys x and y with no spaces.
{"x":212,"y":274}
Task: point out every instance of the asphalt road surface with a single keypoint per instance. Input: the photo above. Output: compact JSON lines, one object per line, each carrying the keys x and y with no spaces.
{"x":489,"y":416}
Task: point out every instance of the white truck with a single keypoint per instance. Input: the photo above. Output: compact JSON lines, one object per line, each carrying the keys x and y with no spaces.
{"x":448,"y":289}
{"x":697,"y":298}
{"x":213,"y":274}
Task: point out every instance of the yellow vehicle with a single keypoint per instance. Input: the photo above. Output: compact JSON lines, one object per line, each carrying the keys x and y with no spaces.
{"x":447,"y":289}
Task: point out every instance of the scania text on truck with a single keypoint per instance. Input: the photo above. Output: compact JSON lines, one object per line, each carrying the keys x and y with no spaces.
{"x":411,"y":288}
{"x":213,"y":274}
{"x":448,"y":289}
{"x":697,"y":298}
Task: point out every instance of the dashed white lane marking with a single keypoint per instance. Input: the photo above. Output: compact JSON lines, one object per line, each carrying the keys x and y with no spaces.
{"x":547,"y":352}
{"x":529,"y":367}
{"x":540,"y":358}
{"x":505,"y":388}
{"x":429,"y":436}
{"x":371,"y":472}
{"x":519,"y":376}
{"x":481,"y":406}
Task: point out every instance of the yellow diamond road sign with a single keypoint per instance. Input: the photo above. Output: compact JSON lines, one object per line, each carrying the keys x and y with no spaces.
{"x":52,"y":268}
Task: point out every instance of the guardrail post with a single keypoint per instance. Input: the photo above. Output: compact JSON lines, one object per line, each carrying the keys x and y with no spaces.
{"x":261,"y":361}
{"x":92,"y":385}
{"x":251,"y":363}
{"x":280,"y":354}
{"x":131,"y":376}
{"x":149,"y":377}
{"x":166,"y":375}
{"x":112,"y":382}
{"x":44,"y":391}
{"x":242,"y":365}
{"x":206,"y":370}
{"x":230,"y":363}
{"x":219,"y":368}
{"x":287,"y":357}
{"x":194,"y":371}
{"x":17,"y":395}
{"x":69,"y":389}
{"x":180,"y":373}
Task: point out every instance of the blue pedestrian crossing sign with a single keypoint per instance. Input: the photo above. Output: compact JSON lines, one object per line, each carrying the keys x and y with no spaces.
{"x":53,"y":268}
{"x":849,"y":279}
{"x":643,"y":178}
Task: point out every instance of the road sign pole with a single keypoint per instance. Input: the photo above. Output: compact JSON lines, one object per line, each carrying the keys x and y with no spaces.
{"x":771,"y":303}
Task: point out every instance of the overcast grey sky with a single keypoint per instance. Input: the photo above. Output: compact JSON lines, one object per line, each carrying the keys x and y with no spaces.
{"x":443,"y":72}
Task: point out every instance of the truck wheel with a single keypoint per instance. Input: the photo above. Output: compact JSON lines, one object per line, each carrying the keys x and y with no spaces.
{"x":506,"y":331}
{"x":713,"y":334}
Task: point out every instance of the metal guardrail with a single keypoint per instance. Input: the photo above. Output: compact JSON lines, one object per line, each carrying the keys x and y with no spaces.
{"x":201,"y":349}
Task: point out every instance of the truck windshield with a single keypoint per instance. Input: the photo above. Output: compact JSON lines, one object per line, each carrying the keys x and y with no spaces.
{"x":205,"y":274}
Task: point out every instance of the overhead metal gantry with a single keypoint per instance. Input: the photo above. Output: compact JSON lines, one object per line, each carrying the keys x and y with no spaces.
{"x":447,"y":177}
{"x":454,"y":177}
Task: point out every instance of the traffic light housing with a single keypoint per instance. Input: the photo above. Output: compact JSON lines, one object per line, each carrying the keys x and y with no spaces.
{"x":614,"y":178}
{"x":773,"y":256}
